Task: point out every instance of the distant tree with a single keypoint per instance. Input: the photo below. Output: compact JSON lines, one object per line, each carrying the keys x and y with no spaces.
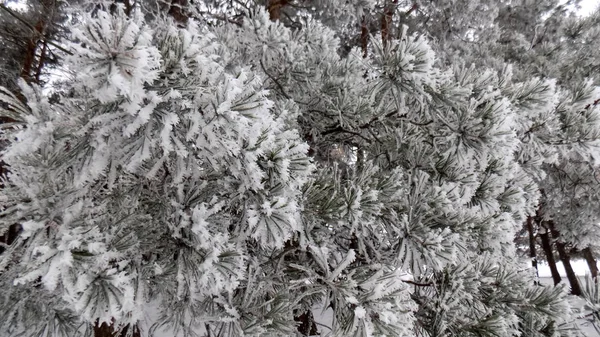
{"x":239,"y":174}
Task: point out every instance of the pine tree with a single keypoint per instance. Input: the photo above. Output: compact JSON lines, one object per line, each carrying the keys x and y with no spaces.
{"x":241,"y":176}
{"x":198,"y":169}
{"x":541,"y":39}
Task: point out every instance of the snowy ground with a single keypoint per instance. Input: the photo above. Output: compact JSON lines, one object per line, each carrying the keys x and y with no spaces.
{"x":588,"y":329}
{"x":581,"y":269}
{"x":585,"y":325}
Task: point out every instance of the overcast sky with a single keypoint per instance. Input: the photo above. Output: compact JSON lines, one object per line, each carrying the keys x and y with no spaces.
{"x":587,"y":6}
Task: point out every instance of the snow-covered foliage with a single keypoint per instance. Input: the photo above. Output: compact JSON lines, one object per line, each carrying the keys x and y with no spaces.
{"x":237,"y":176}
{"x":152,"y":178}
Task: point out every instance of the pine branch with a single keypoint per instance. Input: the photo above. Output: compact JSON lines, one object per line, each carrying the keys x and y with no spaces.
{"x":340,"y":129}
{"x":262,"y":65}
{"x":596,"y":102}
{"x":418,"y":284}
{"x":222,"y":18}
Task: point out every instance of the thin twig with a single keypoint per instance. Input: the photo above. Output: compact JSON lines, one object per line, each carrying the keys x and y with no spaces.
{"x":418,"y":284}
{"x":342,"y":130}
{"x":221,"y":18}
{"x":274,"y":80}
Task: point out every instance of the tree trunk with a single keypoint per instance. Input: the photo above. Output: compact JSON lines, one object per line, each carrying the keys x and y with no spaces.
{"x":386,"y":21}
{"x":41,"y":62}
{"x":29,"y":72}
{"x":108,"y":330}
{"x":566,"y":261}
{"x":307,"y":326}
{"x":364,"y":36}
{"x":360,"y":158}
{"x":274,"y":7}
{"x":591,"y":261}
{"x":127,"y":6}
{"x":178,"y":12}
{"x":550,"y":256}
{"x":29,"y":57}
{"x":103,"y":330}
{"x":9,"y":237}
{"x":532,"y":248}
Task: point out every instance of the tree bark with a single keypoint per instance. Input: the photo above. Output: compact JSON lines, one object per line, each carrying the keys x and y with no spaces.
{"x":386,"y":21}
{"x":9,"y":237}
{"x":364,"y":36}
{"x":177,"y":11}
{"x":566,"y":261}
{"x":532,"y":248}
{"x":591,"y":261}
{"x":127,"y":6}
{"x":41,"y":62}
{"x":30,"y":72}
{"x":103,"y":330}
{"x":307,"y":326}
{"x":108,"y":330}
{"x":29,"y":57}
{"x":274,"y":8}
{"x":547,"y":247}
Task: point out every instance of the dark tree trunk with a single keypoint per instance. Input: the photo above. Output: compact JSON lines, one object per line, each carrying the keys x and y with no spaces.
{"x":108,"y":330}
{"x":307,"y":326}
{"x":29,"y":71}
{"x":103,"y":330}
{"x":545,"y":237}
{"x":127,"y":6}
{"x":29,"y":57}
{"x":591,"y":261}
{"x":274,"y":7}
{"x":178,"y":12}
{"x":386,"y":21}
{"x":9,"y":237}
{"x":364,"y":36}
{"x":566,"y":261}
{"x":41,"y":62}
{"x":360,"y":158}
{"x":532,"y":248}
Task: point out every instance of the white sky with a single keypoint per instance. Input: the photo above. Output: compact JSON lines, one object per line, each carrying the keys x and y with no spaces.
{"x":588,"y":6}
